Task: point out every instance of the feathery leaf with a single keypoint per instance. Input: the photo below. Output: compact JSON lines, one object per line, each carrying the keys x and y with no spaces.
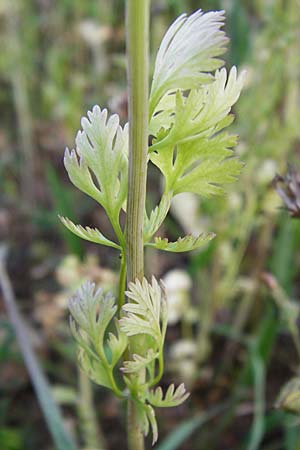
{"x":157,"y":216}
{"x":146,"y":312}
{"x":138,"y":362}
{"x":87,"y":233}
{"x":173,"y":397}
{"x":183,"y":244}
{"x":196,"y":155}
{"x":101,"y":170}
{"x":188,"y":52}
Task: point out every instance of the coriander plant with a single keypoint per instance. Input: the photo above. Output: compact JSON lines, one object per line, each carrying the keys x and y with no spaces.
{"x":121,"y":344}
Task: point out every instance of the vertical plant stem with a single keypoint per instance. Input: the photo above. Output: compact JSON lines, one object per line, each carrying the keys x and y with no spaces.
{"x":138,"y":61}
{"x":137,"y":48}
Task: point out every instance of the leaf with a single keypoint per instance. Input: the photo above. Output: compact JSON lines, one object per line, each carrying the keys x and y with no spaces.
{"x":92,"y":312}
{"x":187,"y":54}
{"x":93,"y":368}
{"x":289,"y":396}
{"x":139,"y":362}
{"x":163,"y":116}
{"x":204,"y":109}
{"x":101,"y":170}
{"x":146,"y":311}
{"x":142,"y":418}
{"x":157,"y":216}
{"x":87,"y":233}
{"x":172,"y":398}
{"x":146,"y":417}
{"x":152,"y":420}
{"x":184,"y":244}
{"x":197,"y":156}
{"x":117,"y":344}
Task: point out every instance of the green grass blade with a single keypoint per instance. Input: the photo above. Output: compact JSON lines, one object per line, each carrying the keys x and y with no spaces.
{"x":51,"y":411}
{"x":187,"y":428}
{"x":258,"y":426}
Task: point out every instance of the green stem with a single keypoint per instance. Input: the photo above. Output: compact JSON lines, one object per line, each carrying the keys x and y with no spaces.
{"x":99,"y":346}
{"x":160,"y":369}
{"x":138,"y":62}
{"x":122,"y":281}
{"x":137,"y":47}
{"x":117,"y":228}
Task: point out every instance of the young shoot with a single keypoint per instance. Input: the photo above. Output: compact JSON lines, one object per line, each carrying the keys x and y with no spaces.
{"x":190,"y":104}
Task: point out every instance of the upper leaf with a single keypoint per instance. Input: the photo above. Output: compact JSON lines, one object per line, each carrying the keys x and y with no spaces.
{"x":101,"y":170}
{"x":163,"y":116}
{"x":146,"y":313}
{"x":203,"y":110}
{"x":195,"y":155}
{"x":187,"y":54}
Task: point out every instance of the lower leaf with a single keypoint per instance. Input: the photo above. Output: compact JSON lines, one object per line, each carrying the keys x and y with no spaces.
{"x":183,"y":244}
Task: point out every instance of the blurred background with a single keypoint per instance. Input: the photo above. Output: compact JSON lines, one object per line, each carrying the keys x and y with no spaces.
{"x":233,"y":334}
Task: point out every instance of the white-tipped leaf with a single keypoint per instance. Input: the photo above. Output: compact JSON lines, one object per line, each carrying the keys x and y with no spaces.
{"x":188,"y":53}
{"x":145,"y":311}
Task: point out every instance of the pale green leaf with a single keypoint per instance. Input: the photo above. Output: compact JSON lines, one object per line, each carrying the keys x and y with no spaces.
{"x":145,"y":311}
{"x":163,"y":116}
{"x":173,"y":397}
{"x":152,"y":420}
{"x":87,"y":233}
{"x":146,"y":417}
{"x":91,"y":313}
{"x":203,"y":109}
{"x":117,"y":344}
{"x":196,"y":155}
{"x":209,"y":177}
{"x":289,"y":396}
{"x":139,"y":362}
{"x":92,"y":310}
{"x":80,"y":175}
{"x":157,"y":216}
{"x":142,"y":418}
{"x":93,"y":368}
{"x":183,"y":244}
{"x":187,"y":54}
{"x":102,"y":168}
